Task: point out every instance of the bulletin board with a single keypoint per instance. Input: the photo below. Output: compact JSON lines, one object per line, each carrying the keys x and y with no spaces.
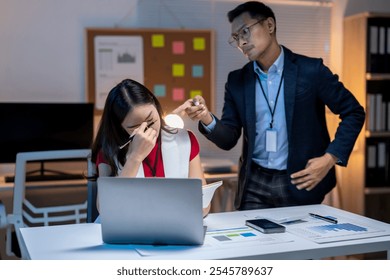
{"x":175,"y":64}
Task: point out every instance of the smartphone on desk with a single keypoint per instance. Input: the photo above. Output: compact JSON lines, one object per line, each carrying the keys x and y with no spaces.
{"x":265,"y":226}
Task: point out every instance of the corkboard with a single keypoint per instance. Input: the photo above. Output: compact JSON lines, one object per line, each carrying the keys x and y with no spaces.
{"x":177,"y":64}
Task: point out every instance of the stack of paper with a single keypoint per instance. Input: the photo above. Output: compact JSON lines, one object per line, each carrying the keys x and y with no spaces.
{"x":208,"y":192}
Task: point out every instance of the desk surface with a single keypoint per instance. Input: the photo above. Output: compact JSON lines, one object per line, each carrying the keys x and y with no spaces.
{"x":83,"y":241}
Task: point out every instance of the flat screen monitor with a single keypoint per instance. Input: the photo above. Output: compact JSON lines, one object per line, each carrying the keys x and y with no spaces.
{"x":26,"y":127}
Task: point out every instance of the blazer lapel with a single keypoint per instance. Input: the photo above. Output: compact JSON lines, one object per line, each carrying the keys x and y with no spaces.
{"x":290,"y":78}
{"x":250,"y":106}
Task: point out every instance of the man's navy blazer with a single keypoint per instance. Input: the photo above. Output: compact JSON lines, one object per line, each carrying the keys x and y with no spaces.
{"x":309,"y":87}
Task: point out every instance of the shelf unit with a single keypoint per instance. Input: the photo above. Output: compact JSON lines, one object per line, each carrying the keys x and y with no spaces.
{"x":365,"y":183}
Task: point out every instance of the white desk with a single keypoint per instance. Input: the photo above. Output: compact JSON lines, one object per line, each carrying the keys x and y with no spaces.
{"x":83,"y":241}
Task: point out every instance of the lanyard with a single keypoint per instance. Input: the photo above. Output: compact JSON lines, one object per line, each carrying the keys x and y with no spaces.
{"x":266,"y":98}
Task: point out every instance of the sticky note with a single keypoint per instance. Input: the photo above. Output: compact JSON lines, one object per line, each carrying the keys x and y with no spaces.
{"x":158,"y":41}
{"x":197,"y":71}
{"x":159,"y":90}
{"x":178,"y":94}
{"x":178,"y":70}
{"x":194,"y":93}
{"x":178,"y":47}
{"x":199,"y":43}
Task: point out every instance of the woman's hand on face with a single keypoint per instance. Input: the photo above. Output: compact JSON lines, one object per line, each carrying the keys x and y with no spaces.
{"x":143,"y":142}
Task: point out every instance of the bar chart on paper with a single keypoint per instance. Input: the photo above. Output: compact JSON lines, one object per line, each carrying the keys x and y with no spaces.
{"x":244,"y":236}
{"x":220,"y":238}
{"x":322,"y":232}
{"x":346,"y":228}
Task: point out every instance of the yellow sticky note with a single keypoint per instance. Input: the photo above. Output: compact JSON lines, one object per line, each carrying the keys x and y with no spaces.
{"x":195,"y":92}
{"x":178,"y":70}
{"x":158,"y":41}
{"x":199,"y":43}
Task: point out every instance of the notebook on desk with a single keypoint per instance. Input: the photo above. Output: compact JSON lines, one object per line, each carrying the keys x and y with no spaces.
{"x":151,"y":210}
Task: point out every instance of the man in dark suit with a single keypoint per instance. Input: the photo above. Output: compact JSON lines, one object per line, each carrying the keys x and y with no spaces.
{"x":278,"y":100}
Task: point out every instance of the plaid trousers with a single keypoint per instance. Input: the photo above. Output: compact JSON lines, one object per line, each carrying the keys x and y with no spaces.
{"x":267,"y":188}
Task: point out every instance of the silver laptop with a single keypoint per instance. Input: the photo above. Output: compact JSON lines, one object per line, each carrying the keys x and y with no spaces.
{"x":164,"y":211}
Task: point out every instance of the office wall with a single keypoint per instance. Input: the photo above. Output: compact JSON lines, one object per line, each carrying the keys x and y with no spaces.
{"x":42,"y":52}
{"x":42,"y":55}
{"x":358,"y":6}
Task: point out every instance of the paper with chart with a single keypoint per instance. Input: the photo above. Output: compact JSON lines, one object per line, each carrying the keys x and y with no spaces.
{"x":208,"y":192}
{"x":244,"y":237}
{"x":325,"y":232}
{"x":218,"y":238}
{"x":116,"y":58}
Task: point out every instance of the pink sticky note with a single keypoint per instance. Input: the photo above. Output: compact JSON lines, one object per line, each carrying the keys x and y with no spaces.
{"x":178,"y":94}
{"x":178,"y":47}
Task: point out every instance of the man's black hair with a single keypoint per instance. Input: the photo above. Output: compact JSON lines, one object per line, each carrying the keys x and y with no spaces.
{"x":256,"y":10}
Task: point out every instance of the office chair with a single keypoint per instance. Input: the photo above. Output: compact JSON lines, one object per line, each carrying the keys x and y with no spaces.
{"x":92,"y":211}
{"x":26,"y":214}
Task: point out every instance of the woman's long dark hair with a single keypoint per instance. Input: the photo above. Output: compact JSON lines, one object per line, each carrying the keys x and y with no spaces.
{"x":120,"y":101}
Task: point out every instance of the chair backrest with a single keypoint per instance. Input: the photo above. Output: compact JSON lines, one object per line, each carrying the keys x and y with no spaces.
{"x":92,"y":211}
{"x":26,"y":214}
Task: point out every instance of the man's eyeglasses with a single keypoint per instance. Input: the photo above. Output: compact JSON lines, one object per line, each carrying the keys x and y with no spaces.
{"x":244,"y":34}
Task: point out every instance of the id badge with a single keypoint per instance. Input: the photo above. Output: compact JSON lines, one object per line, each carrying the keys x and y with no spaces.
{"x":270,"y":140}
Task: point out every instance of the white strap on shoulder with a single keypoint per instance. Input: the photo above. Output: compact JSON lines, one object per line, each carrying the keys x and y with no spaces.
{"x":176,"y":149}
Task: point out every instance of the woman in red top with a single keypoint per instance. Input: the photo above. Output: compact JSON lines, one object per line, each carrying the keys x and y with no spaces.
{"x":133,"y":112}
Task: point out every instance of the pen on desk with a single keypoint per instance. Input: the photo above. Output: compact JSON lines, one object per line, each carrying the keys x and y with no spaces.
{"x":132,"y":136}
{"x":328,"y":219}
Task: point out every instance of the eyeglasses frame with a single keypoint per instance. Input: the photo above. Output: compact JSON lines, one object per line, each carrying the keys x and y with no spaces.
{"x":235,"y":38}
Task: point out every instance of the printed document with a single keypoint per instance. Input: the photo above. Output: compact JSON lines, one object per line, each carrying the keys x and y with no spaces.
{"x":208,"y":192}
